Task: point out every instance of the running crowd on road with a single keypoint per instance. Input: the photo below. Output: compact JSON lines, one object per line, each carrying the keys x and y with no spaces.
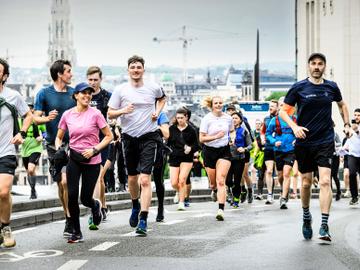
{"x":88,"y":132}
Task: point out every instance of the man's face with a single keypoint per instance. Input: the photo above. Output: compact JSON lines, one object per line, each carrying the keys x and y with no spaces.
{"x":273,"y":108}
{"x":230,"y":111}
{"x":67,"y":75}
{"x":357,"y":117}
{"x":94,"y":81}
{"x":3,"y":76}
{"x":316,"y":68}
{"x":257,"y":125}
{"x":136,"y":71}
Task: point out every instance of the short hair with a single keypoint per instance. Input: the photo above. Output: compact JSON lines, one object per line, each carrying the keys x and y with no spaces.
{"x":357,"y":110}
{"x":182,"y":111}
{"x":6,"y":66}
{"x":274,"y":101}
{"x":136,"y":58}
{"x":58,"y":67}
{"x":239,"y":115}
{"x":92,"y":70}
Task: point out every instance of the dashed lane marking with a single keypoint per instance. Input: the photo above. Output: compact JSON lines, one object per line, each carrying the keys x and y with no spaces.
{"x":104,"y":246}
{"x":172,"y":222}
{"x":24,"y":230}
{"x":203,"y":215}
{"x":131,"y":234}
{"x":72,"y":265}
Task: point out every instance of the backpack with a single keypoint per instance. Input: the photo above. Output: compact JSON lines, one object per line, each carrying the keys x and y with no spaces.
{"x":14,"y":114}
{"x":278,"y":126}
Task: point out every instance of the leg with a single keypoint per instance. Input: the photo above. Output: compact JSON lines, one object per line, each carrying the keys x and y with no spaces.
{"x":286,"y":182}
{"x":185,"y":168}
{"x":325,"y":195}
{"x":294,"y":179}
{"x":269,"y":180}
{"x":353,"y":168}
{"x":73,"y":172}
{"x":306,"y":182}
{"x":32,"y":179}
{"x":222,"y":168}
{"x":6,"y":181}
{"x":335,"y":175}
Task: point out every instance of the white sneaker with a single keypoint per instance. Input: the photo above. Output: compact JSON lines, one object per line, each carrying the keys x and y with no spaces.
{"x":270,"y":199}
{"x":220,"y":215}
{"x":7,"y":237}
{"x":347,"y":194}
{"x":176,"y":197}
{"x":181,"y":206}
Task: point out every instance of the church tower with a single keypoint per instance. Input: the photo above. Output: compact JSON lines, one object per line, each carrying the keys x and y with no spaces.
{"x":61,"y":44}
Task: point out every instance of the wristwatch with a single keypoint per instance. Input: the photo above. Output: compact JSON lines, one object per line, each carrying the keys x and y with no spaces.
{"x":23,"y":134}
{"x":95,"y":151}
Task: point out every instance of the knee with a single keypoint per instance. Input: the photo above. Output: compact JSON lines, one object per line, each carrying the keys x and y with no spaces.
{"x":306,"y":184}
{"x":220,"y":182}
{"x":325,"y":183}
{"x":145,"y":182}
{"x":4,"y":194}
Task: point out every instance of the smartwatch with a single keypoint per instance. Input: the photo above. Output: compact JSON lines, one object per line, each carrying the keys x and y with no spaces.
{"x":95,"y":151}
{"x":23,"y":134}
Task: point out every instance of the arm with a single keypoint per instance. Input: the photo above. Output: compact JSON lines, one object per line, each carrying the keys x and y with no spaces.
{"x":344,"y":112}
{"x":59,"y":137}
{"x":115,"y":113}
{"x":88,"y":153}
{"x":248,"y":142}
{"x":40,"y":119}
{"x":28,"y":118}
{"x":160,"y":103}
{"x":284,"y":113}
{"x":164,"y":128}
{"x":269,"y":133}
{"x":204,"y":137}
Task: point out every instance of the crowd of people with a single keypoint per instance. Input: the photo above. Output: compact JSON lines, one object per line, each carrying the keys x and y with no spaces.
{"x":87,"y":129}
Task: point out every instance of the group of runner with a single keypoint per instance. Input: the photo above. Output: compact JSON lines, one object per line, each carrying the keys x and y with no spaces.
{"x":80,"y":144}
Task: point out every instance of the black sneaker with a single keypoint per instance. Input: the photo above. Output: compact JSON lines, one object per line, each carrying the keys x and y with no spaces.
{"x":338,"y":196}
{"x":33,"y":195}
{"x":243,"y":196}
{"x":75,"y":238}
{"x":105,"y":212}
{"x":307,"y":229}
{"x":283,"y":203}
{"x":324,"y":233}
{"x":160,"y":215}
{"x":96,"y":213}
{"x":69,"y":228}
{"x":250,"y":197}
{"x":354,"y":201}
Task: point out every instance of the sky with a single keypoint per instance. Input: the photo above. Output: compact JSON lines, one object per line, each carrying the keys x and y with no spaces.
{"x":108,"y":32}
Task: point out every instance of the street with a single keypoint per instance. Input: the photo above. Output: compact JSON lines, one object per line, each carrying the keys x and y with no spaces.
{"x":253,"y":236}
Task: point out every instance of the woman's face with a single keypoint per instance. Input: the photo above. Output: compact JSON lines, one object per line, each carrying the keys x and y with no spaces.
{"x":217,"y":104}
{"x":237,"y":120}
{"x":181,"y":119}
{"x":83,"y":98}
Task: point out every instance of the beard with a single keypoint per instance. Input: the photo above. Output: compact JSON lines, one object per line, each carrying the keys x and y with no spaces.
{"x":317,"y":74}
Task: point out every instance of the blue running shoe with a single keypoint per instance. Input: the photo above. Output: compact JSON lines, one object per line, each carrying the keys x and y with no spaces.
{"x":307,"y":229}
{"x":187,"y":202}
{"x":134,"y":218}
{"x":324,"y":233}
{"x":142,"y":228}
{"x":235,"y":204}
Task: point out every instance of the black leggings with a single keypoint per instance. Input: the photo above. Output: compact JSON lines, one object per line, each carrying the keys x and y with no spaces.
{"x":335,"y":171}
{"x":89,"y":175}
{"x":233,"y":178}
{"x":158,"y":175}
{"x":354,"y":168}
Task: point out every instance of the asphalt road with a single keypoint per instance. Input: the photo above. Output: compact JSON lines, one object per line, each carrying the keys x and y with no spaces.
{"x":251,"y":237}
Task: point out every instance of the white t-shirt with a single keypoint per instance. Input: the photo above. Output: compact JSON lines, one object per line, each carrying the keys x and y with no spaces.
{"x":212,"y":125}
{"x":143,"y":98}
{"x":7,"y":122}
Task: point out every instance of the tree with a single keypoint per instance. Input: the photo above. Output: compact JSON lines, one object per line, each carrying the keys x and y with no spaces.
{"x":276,"y":95}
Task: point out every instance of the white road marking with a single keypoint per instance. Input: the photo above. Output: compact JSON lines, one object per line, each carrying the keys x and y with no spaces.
{"x":132,"y":234}
{"x":203,"y":215}
{"x":104,"y":246}
{"x":172,"y":222}
{"x":24,"y":230}
{"x":60,"y":221}
{"x":72,"y":265}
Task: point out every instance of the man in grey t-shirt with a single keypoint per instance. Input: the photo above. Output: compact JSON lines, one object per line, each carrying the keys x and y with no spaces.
{"x":138,"y":104}
{"x":15,"y":104}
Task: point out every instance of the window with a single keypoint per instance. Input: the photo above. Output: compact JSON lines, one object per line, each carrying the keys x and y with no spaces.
{"x":324,"y":8}
{"x":331,"y":7}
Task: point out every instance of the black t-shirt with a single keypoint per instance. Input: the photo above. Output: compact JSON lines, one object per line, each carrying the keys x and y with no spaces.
{"x":314,"y":109}
{"x":100,"y":101}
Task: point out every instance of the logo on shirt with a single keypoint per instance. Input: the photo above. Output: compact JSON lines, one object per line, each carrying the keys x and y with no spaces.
{"x":311,"y":96}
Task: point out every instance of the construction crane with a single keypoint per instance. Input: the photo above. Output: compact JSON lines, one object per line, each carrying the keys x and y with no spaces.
{"x":186,"y":41}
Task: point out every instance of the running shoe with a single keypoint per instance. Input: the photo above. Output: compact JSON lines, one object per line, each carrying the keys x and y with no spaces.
{"x":92,"y":226}
{"x":69,"y":228}
{"x":105,"y":212}
{"x":269,"y":199}
{"x":293,"y":195}
{"x":214,"y":195}
{"x":96,"y":213}
{"x":176,"y":197}
{"x":347,"y":194}
{"x":75,"y":238}
{"x":258,"y":197}
{"x":160,"y":215}
{"x":142,"y":228}
{"x":354,"y":201}
{"x":220,"y":215}
{"x":33,"y":195}
{"x":181,"y":206}
{"x":307,"y":229}
{"x":187,"y":202}
{"x":324,"y":233}
{"x":243,"y":196}
{"x":250,"y":197}
{"x":229,"y":195}
{"x":283,"y":203}
{"x":338,"y":196}
{"x":134,"y":218}
{"x":235,"y":204}
{"x":8,"y":240}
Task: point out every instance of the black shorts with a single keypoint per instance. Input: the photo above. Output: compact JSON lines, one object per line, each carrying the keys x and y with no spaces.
{"x":346,"y":162}
{"x":33,"y":158}
{"x":175,"y":161}
{"x":247,"y":157}
{"x":140,"y":152}
{"x":269,"y":155}
{"x":310,"y":158}
{"x":8,"y":165}
{"x":284,"y":158}
{"x":212,"y":155}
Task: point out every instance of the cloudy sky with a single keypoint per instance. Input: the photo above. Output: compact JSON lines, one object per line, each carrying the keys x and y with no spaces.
{"x":107,"y":32}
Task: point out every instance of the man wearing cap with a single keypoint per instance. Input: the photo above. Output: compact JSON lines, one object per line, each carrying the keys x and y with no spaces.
{"x":138,"y":104}
{"x":315,"y":136}
{"x":50,"y":103}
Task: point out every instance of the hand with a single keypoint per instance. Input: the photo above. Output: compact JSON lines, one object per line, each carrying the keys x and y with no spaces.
{"x":52,"y":115}
{"x":347,"y":131}
{"x":241,"y":149}
{"x":128,"y":109}
{"x":39,"y":138}
{"x":299,"y":132}
{"x":277,"y":144}
{"x":154,"y":116}
{"x":196,"y":154}
{"x":219,"y":135}
{"x":88,"y":153}
{"x":17,"y":139}
{"x":187,"y":149}
{"x":263,"y":140}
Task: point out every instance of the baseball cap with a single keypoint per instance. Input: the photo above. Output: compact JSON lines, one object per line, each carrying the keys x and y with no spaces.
{"x":231,"y":107}
{"x":82,"y":87}
{"x":317,"y":55}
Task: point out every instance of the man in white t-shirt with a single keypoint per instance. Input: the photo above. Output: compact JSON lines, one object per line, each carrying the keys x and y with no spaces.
{"x":138,"y":105}
{"x":12,"y":105}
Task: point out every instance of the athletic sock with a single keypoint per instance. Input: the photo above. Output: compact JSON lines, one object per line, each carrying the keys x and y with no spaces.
{"x":221,"y":206}
{"x":136,"y":204}
{"x":143,"y":215}
{"x":306,"y":213}
{"x":324,"y":219}
{"x":4,"y":225}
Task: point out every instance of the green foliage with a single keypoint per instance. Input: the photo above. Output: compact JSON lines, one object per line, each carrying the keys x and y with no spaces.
{"x":276,"y":95}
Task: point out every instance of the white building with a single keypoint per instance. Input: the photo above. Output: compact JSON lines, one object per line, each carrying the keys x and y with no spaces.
{"x":332,"y":27}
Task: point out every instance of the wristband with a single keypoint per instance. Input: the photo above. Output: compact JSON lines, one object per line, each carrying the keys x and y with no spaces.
{"x":23,"y":134}
{"x":347,"y":124}
{"x":95,"y":151}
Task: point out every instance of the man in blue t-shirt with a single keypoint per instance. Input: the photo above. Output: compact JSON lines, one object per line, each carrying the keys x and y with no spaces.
{"x":50,"y":104}
{"x":315,"y":136}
